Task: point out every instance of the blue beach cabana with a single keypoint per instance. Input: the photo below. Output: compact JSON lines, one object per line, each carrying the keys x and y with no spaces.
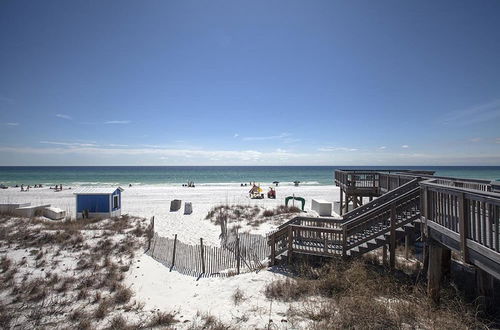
{"x":98,"y":202}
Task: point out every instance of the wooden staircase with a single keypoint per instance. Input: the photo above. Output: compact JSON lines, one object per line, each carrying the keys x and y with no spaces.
{"x":380,"y":222}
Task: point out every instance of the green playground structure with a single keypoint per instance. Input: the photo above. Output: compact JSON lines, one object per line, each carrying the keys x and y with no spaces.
{"x":302,"y":200}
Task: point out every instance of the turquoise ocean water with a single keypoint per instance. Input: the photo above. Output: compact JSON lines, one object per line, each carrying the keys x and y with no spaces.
{"x":206,"y":175}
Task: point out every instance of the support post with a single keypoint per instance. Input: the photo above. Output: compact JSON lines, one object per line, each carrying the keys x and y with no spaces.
{"x":407,"y":246}
{"x":425,"y":256}
{"x":434,"y":273}
{"x":238,"y":255}
{"x":392,"y":246}
{"x":173,"y":252}
{"x":202,"y":252}
{"x":446,"y":263}
{"x":384,"y":255}
{"x":485,"y":290}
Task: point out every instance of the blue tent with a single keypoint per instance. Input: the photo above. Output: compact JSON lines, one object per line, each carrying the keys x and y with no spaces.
{"x":98,"y":202}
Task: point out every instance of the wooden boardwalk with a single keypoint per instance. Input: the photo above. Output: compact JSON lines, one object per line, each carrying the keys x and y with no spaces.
{"x":450,"y":214}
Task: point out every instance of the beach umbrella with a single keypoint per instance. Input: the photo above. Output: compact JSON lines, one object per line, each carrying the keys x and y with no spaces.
{"x":276,"y":183}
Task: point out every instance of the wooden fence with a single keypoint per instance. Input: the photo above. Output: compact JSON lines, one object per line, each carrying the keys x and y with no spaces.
{"x":245,"y":253}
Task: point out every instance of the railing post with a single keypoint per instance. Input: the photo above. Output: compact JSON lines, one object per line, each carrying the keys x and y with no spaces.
{"x":290,"y":243}
{"x":392,"y":246}
{"x":462,"y":214}
{"x":344,"y":241}
{"x":424,"y":210}
{"x":325,"y":242}
{"x":341,"y":202}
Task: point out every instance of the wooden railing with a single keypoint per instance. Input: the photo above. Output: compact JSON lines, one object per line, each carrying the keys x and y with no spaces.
{"x":312,"y":221}
{"x":395,"y":213}
{"x":467,"y":184}
{"x":470,"y":212}
{"x":382,"y":180}
{"x":291,"y":236}
{"x":390,"y":181}
{"x":360,"y":179}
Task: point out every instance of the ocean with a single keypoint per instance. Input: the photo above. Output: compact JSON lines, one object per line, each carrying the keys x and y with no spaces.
{"x":206,"y":175}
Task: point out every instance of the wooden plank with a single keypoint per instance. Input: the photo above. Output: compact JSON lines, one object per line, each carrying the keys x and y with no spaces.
{"x":471,"y":244}
{"x":392,"y":246}
{"x":496,"y":219}
{"x":344,"y":242}
{"x":484,"y":234}
{"x":173,"y":253}
{"x":463,"y":227}
{"x":273,"y":250}
{"x":237,"y":255}
{"x":341,"y":201}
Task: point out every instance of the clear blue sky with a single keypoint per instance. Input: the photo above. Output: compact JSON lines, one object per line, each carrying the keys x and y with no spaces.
{"x":250,"y":82}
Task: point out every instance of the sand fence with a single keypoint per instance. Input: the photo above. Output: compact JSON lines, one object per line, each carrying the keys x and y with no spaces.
{"x":240,"y":253}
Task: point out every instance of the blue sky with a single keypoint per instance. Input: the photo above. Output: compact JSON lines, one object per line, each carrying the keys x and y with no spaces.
{"x":250,"y":82}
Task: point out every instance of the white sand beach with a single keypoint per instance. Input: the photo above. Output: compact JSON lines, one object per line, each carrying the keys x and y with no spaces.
{"x":154,"y":200}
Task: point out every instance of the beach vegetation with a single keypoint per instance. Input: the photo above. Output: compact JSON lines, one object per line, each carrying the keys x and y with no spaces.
{"x":251,"y":215}
{"x":358,"y":294}
{"x":80,"y":268}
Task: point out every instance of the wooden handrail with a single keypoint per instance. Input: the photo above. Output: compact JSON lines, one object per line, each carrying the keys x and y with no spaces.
{"x":318,"y":229}
{"x":298,"y":219}
{"x":369,"y":207}
{"x":381,"y":208}
{"x":435,"y":185}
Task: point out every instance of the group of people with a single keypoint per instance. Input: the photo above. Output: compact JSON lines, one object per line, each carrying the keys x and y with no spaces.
{"x":27,"y":188}
{"x":57,"y":188}
{"x":257,"y":193}
{"x":249,"y":184}
{"x":190,"y":184}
